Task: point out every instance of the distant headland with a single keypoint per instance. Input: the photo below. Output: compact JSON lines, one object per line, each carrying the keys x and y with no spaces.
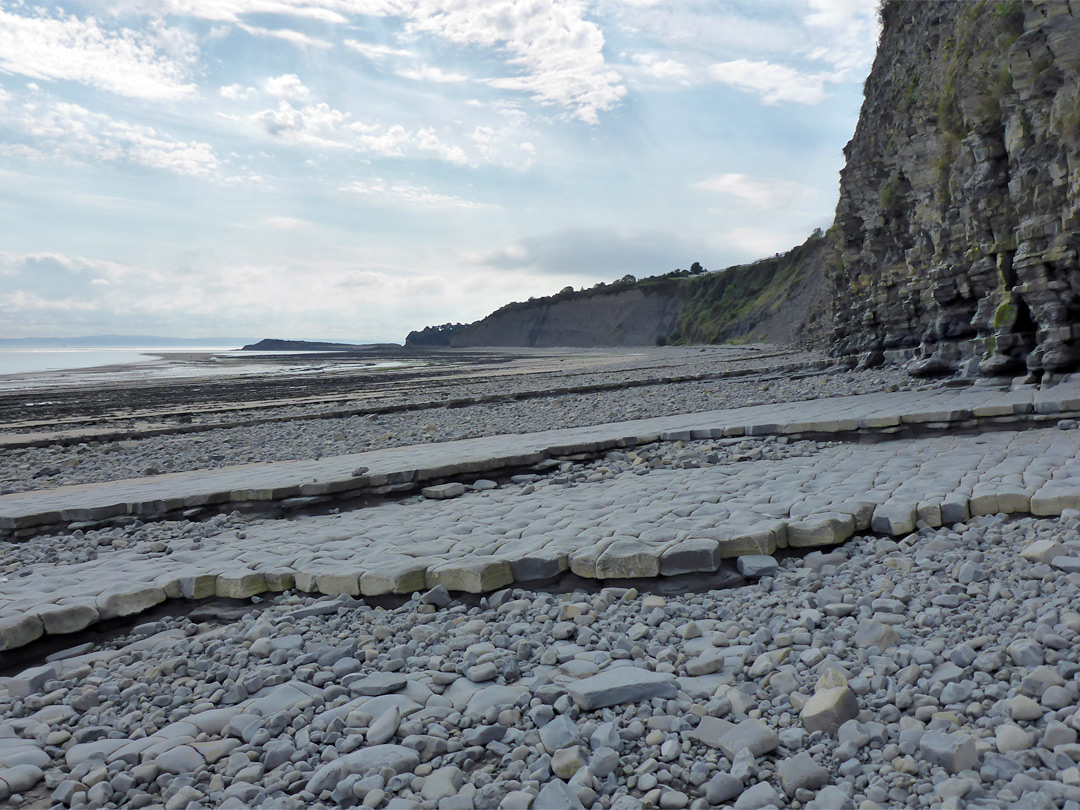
{"x":276,"y":345}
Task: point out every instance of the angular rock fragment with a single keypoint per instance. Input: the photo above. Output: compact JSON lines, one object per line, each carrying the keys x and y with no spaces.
{"x":953,"y":752}
{"x":443,"y":491}
{"x":471,"y":574}
{"x":752,"y":735}
{"x":829,"y":709}
{"x":617,"y":685}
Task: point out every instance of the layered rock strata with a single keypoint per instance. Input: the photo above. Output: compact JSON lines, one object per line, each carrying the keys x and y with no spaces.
{"x":958,"y":223}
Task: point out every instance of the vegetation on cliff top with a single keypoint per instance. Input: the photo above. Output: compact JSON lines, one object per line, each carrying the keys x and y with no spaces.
{"x":650,"y":285}
{"x":725,"y":305}
{"x":434,"y":335}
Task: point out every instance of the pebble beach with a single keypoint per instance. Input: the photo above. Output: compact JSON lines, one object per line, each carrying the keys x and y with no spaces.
{"x":846,"y":653}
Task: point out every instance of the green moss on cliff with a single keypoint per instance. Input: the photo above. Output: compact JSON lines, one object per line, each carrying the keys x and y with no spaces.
{"x":724,"y":306}
{"x":892,"y":197}
{"x":1004,"y":315}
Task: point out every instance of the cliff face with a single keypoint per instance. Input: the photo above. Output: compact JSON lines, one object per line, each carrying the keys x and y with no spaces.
{"x":777,"y":300}
{"x":628,"y":318}
{"x":958,"y":224}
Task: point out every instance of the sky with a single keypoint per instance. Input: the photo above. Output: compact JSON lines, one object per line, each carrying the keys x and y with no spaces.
{"x":356,"y":169}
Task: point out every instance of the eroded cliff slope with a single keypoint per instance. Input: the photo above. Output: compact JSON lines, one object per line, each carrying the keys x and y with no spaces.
{"x":958,"y":224}
{"x":778,"y":300}
{"x":631,"y":317}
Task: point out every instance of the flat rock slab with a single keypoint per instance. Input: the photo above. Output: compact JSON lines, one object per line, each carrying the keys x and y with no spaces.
{"x":691,"y":557}
{"x":154,"y":495}
{"x":379,"y":683}
{"x":751,"y":735}
{"x":757,"y":565}
{"x":394,"y":574}
{"x":31,"y":681}
{"x":443,"y":491}
{"x":68,"y":618}
{"x":667,"y":522}
{"x":618,"y":685}
{"x":471,"y":574}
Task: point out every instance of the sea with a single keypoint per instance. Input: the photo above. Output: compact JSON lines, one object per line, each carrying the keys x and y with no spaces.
{"x":26,"y":360}
{"x":26,"y":367}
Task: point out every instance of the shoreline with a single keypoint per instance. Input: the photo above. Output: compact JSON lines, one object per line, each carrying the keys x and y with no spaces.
{"x":189,"y":364}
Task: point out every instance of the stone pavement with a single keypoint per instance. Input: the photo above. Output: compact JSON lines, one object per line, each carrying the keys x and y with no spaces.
{"x":668,"y":521}
{"x":268,"y":484}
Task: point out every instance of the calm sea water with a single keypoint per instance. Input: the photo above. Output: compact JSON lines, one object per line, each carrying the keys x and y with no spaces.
{"x":26,"y":360}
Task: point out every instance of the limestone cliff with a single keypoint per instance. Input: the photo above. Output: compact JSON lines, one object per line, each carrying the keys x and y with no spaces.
{"x":958,"y":224}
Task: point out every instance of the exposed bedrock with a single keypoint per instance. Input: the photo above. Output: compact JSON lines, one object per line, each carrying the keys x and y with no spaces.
{"x":958,"y":225}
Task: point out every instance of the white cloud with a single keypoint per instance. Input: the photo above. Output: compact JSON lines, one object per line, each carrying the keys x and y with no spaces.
{"x":412,"y":196}
{"x":287,"y":223}
{"x":54,"y":282}
{"x":22,"y":301}
{"x":595,"y":252}
{"x":312,"y":123}
{"x":309,"y":297}
{"x":842,"y":34}
{"x":558,"y":51}
{"x":510,"y":142}
{"x":759,"y":192}
{"x":760,"y":242}
{"x":663,"y":69}
{"x":69,"y":131}
{"x":376,"y":53}
{"x":327,"y":11}
{"x":773,"y":83}
{"x":322,"y":125}
{"x":426,"y":73}
{"x":21,"y":151}
{"x":236,"y":92}
{"x":428,"y":141}
{"x":151,"y":64}
{"x":287,"y":86}
{"x":852,"y":26}
{"x":296,"y":38}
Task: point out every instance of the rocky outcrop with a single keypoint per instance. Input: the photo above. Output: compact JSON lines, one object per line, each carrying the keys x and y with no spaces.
{"x":958,"y":224}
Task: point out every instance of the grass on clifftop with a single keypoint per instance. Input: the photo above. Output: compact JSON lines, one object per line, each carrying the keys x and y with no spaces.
{"x":724,"y":305}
